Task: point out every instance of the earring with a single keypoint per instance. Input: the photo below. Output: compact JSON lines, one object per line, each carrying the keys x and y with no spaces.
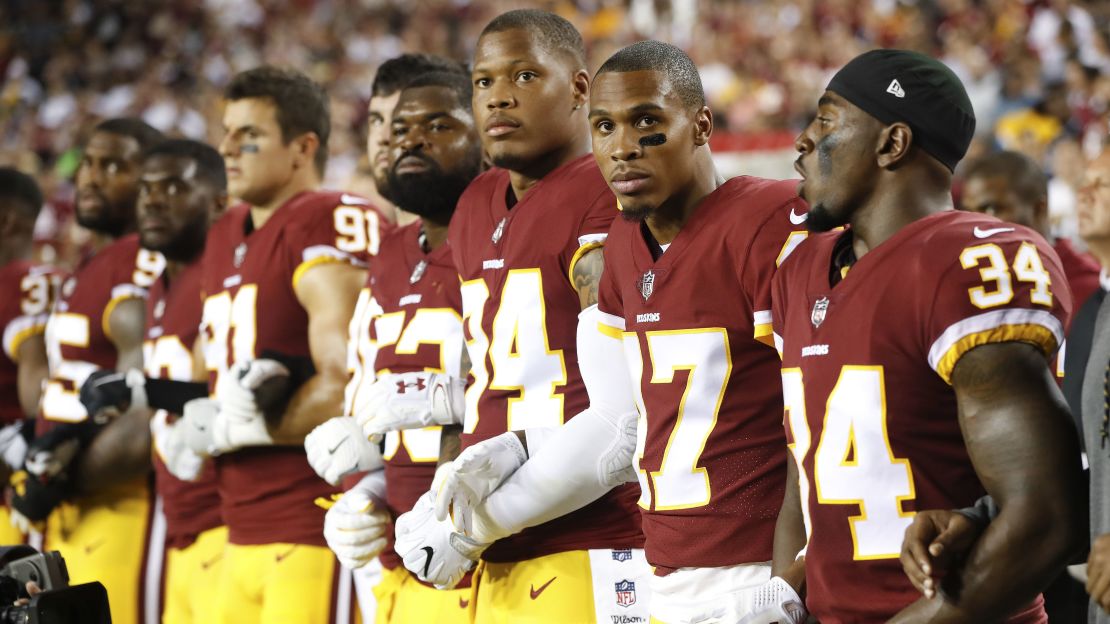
{"x":577,"y":106}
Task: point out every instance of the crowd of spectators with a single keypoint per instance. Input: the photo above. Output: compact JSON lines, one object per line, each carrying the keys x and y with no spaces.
{"x":1038,"y":71}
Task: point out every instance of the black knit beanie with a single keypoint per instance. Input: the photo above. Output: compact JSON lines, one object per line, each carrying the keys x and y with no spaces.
{"x":920,"y":91}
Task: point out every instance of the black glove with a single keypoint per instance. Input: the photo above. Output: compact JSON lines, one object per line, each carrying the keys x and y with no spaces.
{"x":103,"y":389}
{"x":35,"y":499}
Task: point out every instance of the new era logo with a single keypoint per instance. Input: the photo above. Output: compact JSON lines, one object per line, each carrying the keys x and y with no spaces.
{"x":896,"y":89}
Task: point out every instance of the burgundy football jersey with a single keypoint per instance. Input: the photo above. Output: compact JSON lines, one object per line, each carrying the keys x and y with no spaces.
{"x":250,"y":308}
{"x":28,"y":292}
{"x":520,"y":313}
{"x":77,"y":333}
{"x":696,"y":333}
{"x":173,"y":312}
{"x":417,"y":327}
{"x":866,"y":366}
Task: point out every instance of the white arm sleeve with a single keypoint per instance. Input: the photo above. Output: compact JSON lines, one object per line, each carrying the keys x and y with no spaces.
{"x":580,"y":461}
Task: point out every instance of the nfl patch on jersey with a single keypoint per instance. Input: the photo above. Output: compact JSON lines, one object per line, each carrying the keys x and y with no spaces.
{"x":626,"y":593}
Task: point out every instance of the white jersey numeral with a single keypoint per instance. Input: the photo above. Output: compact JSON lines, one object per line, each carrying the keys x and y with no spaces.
{"x":520,"y":354}
{"x":61,"y":396}
{"x":1027,"y":267}
{"x":229,"y":328}
{"x":357,"y":230}
{"x":854,"y":463}
{"x":704,"y":354}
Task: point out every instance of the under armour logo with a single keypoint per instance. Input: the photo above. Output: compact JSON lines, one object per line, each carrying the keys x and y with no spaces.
{"x":896,"y":89}
{"x":402,"y":385}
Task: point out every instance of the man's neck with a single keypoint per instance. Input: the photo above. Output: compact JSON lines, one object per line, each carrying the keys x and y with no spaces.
{"x":666,"y":221}
{"x":12,"y":250}
{"x":99,"y":240}
{"x":435,"y":234}
{"x":523,"y":179}
{"x":260,"y":214}
{"x":1101,"y":251}
{"x":886,"y":213}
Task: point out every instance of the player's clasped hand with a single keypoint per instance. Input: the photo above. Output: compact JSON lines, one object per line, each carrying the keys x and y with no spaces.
{"x":1098,"y":572}
{"x":338,"y":447}
{"x":462,"y":484}
{"x":410,"y":401}
{"x":356,"y":527}
{"x":172,"y":446}
{"x":937,"y":540}
{"x":431,"y":549}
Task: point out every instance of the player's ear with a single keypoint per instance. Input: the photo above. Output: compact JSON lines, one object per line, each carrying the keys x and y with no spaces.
{"x":894,"y":144}
{"x":306,"y":145}
{"x":703,"y":126}
{"x":580,"y":89}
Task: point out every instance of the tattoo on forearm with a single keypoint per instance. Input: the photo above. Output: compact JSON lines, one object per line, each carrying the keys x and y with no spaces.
{"x":587,"y":276}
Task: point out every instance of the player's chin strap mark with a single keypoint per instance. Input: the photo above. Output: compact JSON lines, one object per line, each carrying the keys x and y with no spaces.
{"x":653,"y":140}
{"x":429,"y":551}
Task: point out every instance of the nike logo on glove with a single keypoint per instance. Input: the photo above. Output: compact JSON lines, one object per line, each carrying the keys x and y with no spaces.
{"x":991,"y":232}
{"x":333,"y":449}
{"x":534,"y":593}
{"x":428,"y":561}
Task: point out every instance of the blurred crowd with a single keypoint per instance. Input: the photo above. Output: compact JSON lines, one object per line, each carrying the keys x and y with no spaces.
{"x":1038,"y":71}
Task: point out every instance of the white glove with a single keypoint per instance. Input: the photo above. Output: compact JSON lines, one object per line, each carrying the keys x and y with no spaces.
{"x":776,"y":602}
{"x":462,"y":484}
{"x":240,"y":421}
{"x":199,"y":420}
{"x":171,"y":446}
{"x":432,"y":550}
{"x":235,"y":390}
{"x":356,"y":527}
{"x":410,"y":401}
{"x":338,"y":447}
{"x":13,"y":446}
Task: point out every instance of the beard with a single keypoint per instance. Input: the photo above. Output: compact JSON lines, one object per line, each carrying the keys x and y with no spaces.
{"x":821,"y":220}
{"x":433,"y":193}
{"x":636,"y":214}
{"x":114,"y":221}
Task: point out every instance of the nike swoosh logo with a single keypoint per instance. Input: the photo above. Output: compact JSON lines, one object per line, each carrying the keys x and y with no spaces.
{"x":991,"y":232}
{"x":798,"y":219}
{"x":204,"y":565}
{"x":93,"y":546}
{"x":333,"y":449}
{"x":535,"y":593}
{"x":463,"y":603}
{"x":353,"y":199}
{"x":282,"y":556}
{"x":429,"y":552}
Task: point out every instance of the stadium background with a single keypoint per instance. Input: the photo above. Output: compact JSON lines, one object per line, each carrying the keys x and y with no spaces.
{"x":1038,"y":71}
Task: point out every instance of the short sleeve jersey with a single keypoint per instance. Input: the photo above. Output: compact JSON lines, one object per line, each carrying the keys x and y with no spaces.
{"x":520,"y":314}
{"x":173,"y":310}
{"x":866,"y":365}
{"x":418,"y":327}
{"x":251,"y":311}
{"x":28,"y":292}
{"x":78,"y":333}
{"x":696,"y":331}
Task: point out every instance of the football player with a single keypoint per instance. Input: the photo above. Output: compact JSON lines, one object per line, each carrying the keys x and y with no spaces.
{"x":281,"y":274}
{"x":182,"y":190}
{"x":97,"y":323}
{"x":526,"y":239}
{"x":1014,"y":188}
{"x":390,"y":78}
{"x":417,"y":341}
{"x":29,"y":289}
{"x":691,"y":332}
{"x":915,"y":362}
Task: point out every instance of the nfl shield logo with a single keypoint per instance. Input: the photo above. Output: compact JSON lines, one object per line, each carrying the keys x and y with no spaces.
{"x":622,"y":554}
{"x":240,"y":255}
{"x":820,"y":309}
{"x":499,"y":231}
{"x":418,"y":271}
{"x":647,"y":284}
{"x":626,"y":593}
